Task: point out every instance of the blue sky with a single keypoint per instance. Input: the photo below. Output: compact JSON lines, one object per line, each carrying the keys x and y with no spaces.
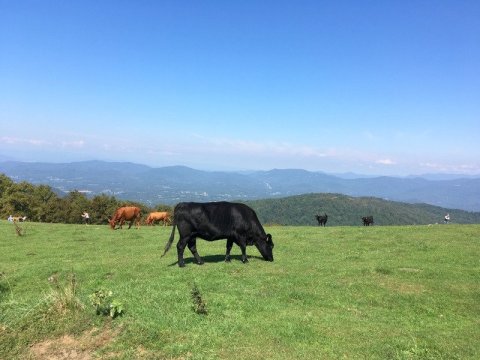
{"x":372,"y":87}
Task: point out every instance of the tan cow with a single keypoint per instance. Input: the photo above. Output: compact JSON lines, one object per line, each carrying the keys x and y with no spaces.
{"x":126,"y":213}
{"x":17,"y":218}
{"x":158,"y":216}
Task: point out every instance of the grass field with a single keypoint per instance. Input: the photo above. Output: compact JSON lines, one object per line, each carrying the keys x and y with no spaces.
{"x":399,"y":292}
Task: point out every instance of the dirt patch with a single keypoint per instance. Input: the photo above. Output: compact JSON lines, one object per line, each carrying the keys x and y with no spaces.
{"x":412,"y":270}
{"x":404,"y":288}
{"x":75,"y":348}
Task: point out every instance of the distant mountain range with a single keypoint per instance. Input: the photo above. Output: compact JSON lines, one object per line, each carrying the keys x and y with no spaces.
{"x":170,"y":185}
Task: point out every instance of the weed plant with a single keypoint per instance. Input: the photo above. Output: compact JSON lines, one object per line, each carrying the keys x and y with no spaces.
{"x":63,"y":297}
{"x":199,"y":304}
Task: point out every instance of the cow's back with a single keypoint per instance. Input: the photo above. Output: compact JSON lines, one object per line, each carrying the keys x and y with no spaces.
{"x":118,"y":213}
{"x":127,"y":213}
{"x":132,"y":212}
{"x":159,"y":215}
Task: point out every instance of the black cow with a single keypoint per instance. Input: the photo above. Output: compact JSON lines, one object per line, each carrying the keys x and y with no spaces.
{"x":218,"y":220}
{"x":367,"y":220}
{"x":322,"y":219}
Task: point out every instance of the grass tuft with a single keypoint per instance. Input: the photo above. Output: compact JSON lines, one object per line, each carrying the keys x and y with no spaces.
{"x":20,"y":231}
{"x":199,"y":304}
{"x":63,"y":297}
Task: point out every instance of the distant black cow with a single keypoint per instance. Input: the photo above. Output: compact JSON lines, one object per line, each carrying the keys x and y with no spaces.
{"x":218,"y":220}
{"x":367,"y":220}
{"x":322,"y":219}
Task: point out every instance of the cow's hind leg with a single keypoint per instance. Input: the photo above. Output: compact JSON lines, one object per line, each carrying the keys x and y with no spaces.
{"x":229,"y":248}
{"x":181,"y":244}
{"x":192,"y":245}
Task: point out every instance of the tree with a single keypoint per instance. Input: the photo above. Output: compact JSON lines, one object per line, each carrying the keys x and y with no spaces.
{"x":17,"y":199}
{"x":44,"y":204}
{"x":101,"y":208}
{"x":74,"y":204}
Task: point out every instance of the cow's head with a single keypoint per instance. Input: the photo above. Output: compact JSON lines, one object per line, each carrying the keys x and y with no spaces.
{"x":112,"y":223}
{"x":265,"y":246}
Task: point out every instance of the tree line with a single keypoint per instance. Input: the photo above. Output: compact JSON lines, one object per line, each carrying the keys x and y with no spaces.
{"x":41,"y":203}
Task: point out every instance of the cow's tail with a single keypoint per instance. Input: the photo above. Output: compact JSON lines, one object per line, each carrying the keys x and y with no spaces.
{"x":170,"y":241}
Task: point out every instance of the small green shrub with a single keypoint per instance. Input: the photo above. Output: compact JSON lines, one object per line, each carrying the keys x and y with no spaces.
{"x":105,"y":304}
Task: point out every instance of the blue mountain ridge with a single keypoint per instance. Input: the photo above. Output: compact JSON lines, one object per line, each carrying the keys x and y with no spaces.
{"x":172,"y":184}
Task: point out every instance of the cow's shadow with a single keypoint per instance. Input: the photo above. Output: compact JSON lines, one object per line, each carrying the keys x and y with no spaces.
{"x":215,"y":259}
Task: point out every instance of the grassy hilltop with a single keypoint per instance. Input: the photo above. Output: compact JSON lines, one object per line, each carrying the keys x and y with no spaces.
{"x":344,"y":210}
{"x":396,"y":292}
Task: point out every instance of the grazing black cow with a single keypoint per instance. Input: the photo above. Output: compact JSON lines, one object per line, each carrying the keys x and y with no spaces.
{"x":367,"y":220}
{"x":322,"y":219}
{"x":237,"y":223}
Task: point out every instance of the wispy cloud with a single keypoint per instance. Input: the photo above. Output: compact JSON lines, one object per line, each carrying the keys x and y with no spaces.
{"x":73,"y":144}
{"x":385,"y":162}
{"x":232,"y":146}
{"x":453,"y":168}
{"x":17,"y":141}
{"x":22,"y":141}
{"x":217,"y":152}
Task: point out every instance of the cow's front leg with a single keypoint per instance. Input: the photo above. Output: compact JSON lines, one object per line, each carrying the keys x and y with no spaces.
{"x":180,"y":249}
{"x":229,"y":248}
{"x":243,"y":246}
{"x":192,"y":245}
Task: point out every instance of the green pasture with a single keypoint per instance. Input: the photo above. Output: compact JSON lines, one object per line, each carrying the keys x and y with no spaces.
{"x":381,"y":292}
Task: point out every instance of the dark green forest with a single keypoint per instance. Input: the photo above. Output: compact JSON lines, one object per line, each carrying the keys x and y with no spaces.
{"x":41,"y":203}
{"x":347,"y":210}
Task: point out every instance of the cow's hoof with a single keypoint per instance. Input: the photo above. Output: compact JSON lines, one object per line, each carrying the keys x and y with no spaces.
{"x":200,"y":262}
{"x":182,"y":264}
{"x":245,"y":261}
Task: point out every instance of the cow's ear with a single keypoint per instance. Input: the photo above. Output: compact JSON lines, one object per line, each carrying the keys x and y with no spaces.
{"x":269,"y":239}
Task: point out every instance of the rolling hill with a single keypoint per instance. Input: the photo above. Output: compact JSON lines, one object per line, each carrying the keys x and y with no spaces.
{"x":344,"y":210}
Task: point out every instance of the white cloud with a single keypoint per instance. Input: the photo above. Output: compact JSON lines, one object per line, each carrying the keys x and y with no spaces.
{"x":385,"y":162}
{"x":20,"y":141}
{"x":39,"y":142}
{"x":73,"y":144}
{"x":234,"y":146}
{"x":221,"y":152}
{"x":452,"y":168}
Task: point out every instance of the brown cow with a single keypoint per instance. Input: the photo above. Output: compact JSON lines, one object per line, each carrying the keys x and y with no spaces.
{"x":17,"y":218}
{"x":126,"y":213}
{"x":158,"y":216}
